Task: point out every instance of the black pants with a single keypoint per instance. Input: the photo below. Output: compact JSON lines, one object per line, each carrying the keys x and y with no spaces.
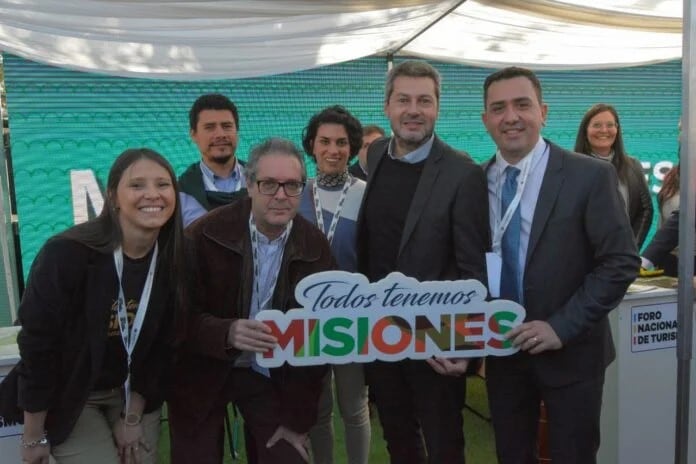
{"x":573,"y":416}
{"x":255,"y":397}
{"x":420,"y":411}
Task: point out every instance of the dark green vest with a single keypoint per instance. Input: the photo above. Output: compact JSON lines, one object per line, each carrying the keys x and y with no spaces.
{"x":191,"y":183}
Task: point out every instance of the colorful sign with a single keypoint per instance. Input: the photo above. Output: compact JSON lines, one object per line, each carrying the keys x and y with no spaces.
{"x":347,"y":319}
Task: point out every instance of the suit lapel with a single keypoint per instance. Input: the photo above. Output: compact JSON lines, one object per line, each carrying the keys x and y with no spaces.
{"x":550,"y":186}
{"x":431,"y":170}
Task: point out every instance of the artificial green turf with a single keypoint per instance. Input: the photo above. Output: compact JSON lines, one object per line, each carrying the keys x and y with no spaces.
{"x":477,"y":431}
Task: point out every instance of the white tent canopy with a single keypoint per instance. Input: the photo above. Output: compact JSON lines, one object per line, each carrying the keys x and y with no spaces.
{"x":177,"y":39}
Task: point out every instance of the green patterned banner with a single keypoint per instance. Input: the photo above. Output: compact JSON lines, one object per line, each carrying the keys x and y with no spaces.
{"x":67,"y":127}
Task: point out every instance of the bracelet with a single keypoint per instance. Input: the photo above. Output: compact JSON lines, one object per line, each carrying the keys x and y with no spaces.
{"x":131,"y":419}
{"x":43,"y":441}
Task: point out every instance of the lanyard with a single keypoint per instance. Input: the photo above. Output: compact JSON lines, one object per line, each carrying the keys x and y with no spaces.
{"x":501,"y":224}
{"x":336,"y":213}
{"x":254,"y":233}
{"x":130,"y":337}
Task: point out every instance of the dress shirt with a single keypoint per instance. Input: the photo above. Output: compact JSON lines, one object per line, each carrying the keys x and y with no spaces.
{"x":415,"y":156}
{"x":191,"y":209}
{"x":539,"y":157}
{"x":270,"y":259}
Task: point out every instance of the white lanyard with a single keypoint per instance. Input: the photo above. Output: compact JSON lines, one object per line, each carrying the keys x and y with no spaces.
{"x":336,"y":213}
{"x":501,"y":224}
{"x":130,"y":337}
{"x":254,"y":233}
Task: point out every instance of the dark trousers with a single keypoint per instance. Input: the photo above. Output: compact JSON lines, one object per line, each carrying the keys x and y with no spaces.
{"x":255,"y":397}
{"x":420,"y":411}
{"x":573,"y":415}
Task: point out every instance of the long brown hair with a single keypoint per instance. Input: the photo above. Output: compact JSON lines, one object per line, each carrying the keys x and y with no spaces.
{"x":104,"y":234}
{"x":670,"y":186}
{"x":582,"y":145}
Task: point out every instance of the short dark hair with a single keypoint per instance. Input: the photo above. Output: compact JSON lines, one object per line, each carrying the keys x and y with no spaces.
{"x":272,"y":146}
{"x":335,"y":114}
{"x":412,"y":68}
{"x":212,"y":101}
{"x":510,"y":73}
{"x":373,"y":129}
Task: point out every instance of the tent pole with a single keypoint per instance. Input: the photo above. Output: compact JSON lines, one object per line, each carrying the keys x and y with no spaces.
{"x":427,"y":26}
{"x":687,"y":218}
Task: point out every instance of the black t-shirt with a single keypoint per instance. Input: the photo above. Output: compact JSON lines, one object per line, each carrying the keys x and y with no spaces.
{"x":114,"y":367}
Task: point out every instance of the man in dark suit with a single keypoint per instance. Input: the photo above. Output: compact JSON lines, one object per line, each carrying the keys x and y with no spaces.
{"x":425,"y":214}
{"x":568,"y":256}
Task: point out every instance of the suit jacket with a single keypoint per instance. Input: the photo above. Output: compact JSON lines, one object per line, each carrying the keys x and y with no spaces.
{"x":666,"y":239}
{"x":446,"y":233}
{"x":580,"y":260}
{"x":356,"y":171}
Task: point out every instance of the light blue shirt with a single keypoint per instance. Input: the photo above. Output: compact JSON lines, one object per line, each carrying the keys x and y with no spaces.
{"x":191,"y":209}
{"x":415,"y":156}
{"x":270,"y":260}
{"x":539,"y":157}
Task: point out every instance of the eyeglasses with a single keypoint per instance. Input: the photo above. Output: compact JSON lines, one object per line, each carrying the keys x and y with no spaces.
{"x":608,"y":125}
{"x":292,"y":188}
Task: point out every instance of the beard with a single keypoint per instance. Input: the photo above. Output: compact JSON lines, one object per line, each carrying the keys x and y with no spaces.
{"x":222,"y":159}
{"x":413,"y":139}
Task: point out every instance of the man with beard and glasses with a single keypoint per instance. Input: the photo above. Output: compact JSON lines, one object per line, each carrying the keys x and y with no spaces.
{"x":218,"y":178}
{"x":424,"y":214}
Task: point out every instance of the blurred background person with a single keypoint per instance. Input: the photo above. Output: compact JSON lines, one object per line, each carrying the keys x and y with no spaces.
{"x":370,"y":134}
{"x":663,"y":249}
{"x":668,"y":197}
{"x":332,"y":202}
{"x":599,"y":135}
{"x":97,"y":293}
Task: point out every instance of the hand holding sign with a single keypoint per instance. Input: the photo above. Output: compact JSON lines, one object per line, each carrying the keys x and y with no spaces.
{"x":454,"y":367}
{"x":535,"y":337}
{"x":250,"y":335}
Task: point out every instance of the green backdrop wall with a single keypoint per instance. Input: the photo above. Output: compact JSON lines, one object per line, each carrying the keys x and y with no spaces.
{"x":62,"y":120}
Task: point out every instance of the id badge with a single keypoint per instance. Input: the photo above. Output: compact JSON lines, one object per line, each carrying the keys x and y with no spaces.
{"x":494,"y":265}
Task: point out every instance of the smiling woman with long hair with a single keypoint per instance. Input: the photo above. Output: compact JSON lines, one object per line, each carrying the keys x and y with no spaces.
{"x":599,"y":136}
{"x":97,"y":321}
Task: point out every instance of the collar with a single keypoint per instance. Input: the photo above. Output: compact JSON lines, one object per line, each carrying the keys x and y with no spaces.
{"x":415,"y":156}
{"x":609,"y":157}
{"x":332,"y":180}
{"x":280,"y":240}
{"x":229,"y":226}
{"x":533,"y":157}
{"x":235,"y":174}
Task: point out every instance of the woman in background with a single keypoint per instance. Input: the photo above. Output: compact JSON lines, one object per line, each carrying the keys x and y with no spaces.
{"x":332,"y":202}
{"x":97,"y":321}
{"x":600,"y":136}
{"x":668,"y":198}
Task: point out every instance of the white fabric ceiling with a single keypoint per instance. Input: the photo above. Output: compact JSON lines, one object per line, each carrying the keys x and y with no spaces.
{"x":198,"y":39}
